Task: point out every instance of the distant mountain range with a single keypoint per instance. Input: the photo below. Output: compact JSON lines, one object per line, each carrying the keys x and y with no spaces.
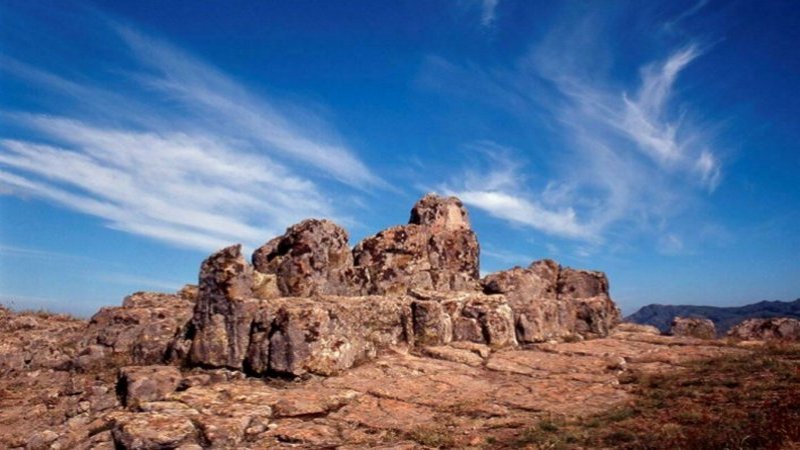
{"x":724,"y":318}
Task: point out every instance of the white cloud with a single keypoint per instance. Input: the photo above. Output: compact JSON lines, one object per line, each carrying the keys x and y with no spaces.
{"x":502,"y":193}
{"x":202,"y":87}
{"x":526,"y":212}
{"x":632,"y":155}
{"x":192,"y":158}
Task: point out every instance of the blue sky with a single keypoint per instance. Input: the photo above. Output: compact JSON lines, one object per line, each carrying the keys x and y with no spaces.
{"x":657,"y":141}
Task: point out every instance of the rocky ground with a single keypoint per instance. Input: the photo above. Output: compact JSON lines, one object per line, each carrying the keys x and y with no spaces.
{"x":458,"y":395}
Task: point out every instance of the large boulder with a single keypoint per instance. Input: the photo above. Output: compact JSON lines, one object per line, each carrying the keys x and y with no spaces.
{"x":222,"y":315}
{"x":440,"y":213}
{"x":781,"y":328}
{"x":313,"y":257}
{"x":147,"y":329}
{"x":322,"y":335}
{"x":695,"y":327}
{"x":137,"y":384}
{"x":436,"y":251}
{"x":595,"y":313}
{"x":326,"y":335}
{"x":532,"y":294}
{"x":551,"y":302}
{"x":440,"y":318}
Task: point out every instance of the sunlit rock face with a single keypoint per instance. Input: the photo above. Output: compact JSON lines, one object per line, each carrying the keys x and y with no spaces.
{"x":310,"y":304}
{"x":774,"y":328}
{"x":693,"y":327}
{"x":313,"y":257}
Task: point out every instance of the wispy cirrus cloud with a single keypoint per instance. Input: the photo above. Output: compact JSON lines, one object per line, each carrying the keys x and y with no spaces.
{"x":182,"y":153}
{"x":632,"y":154}
{"x":503,"y":192}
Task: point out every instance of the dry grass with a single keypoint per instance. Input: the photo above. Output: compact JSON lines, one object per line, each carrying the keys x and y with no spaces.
{"x":732,"y":402}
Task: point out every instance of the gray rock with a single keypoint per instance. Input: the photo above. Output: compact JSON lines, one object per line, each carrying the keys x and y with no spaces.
{"x":693,"y":327}
{"x":780,"y":328}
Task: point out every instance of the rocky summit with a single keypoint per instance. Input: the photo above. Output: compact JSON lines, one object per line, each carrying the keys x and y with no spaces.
{"x":311,"y":343}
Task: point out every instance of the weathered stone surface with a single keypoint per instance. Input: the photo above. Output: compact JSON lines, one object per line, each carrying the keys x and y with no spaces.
{"x":440,"y":213}
{"x":550,"y":302}
{"x":440,"y":318}
{"x":326,"y":335}
{"x":693,"y":327}
{"x":313,"y":257}
{"x":375,"y":391}
{"x":142,"y":331}
{"x":477,"y":391}
{"x":780,"y":328}
{"x":629,"y":327}
{"x":137,"y":384}
{"x":596,"y":313}
{"x":437,"y":251}
{"x":532,"y":294}
{"x":152,"y":431}
{"x":453,"y":354}
{"x":223,"y":315}
{"x":33,"y":341}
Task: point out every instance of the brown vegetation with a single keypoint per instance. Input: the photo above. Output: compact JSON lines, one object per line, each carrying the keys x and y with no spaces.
{"x":736,"y":401}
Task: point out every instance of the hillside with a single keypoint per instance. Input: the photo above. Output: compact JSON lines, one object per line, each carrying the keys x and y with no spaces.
{"x":724,"y":318}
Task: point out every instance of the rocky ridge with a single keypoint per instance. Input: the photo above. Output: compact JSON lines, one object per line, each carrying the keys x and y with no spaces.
{"x":313,"y":344}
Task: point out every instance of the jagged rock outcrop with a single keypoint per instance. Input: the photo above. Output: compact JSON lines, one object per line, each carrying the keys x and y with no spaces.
{"x":596,"y":313}
{"x":441,"y":318}
{"x":149,"y":328}
{"x":532,"y":293}
{"x":435,"y":344}
{"x":436,"y":251}
{"x":775,"y":328}
{"x":477,"y":388}
{"x":313,"y":257}
{"x":223,"y":313}
{"x":301,"y":308}
{"x":693,"y":327}
{"x":34,"y":341}
{"x":551,"y":302}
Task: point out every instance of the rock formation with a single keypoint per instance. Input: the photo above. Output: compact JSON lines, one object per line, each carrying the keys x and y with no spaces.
{"x":775,"y":328}
{"x":437,"y":251}
{"x":396,"y":328}
{"x":693,"y":327}
{"x":313,"y":257}
{"x":551,"y":302}
{"x":309,"y":304}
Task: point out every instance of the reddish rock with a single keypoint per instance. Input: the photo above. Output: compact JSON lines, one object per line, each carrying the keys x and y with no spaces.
{"x":223,"y":314}
{"x":693,"y":327}
{"x":142,"y":331}
{"x":436,"y":251}
{"x":150,"y":431}
{"x":596,"y":314}
{"x":551,"y":302}
{"x":440,"y":213}
{"x":781,"y":328}
{"x":440,"y":318}
{"x":137,"y":384}
{"x":327,"y":335}
{"x":532,"y":294}
{"x":313,"y":257}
